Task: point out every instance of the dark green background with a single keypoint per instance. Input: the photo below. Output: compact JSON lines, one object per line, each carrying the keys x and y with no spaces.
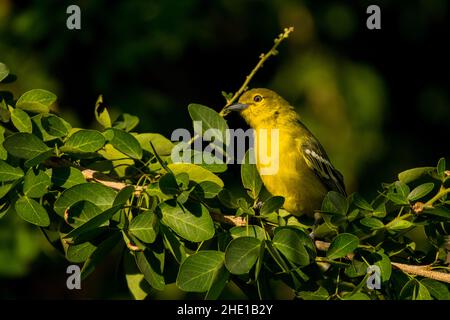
{"x":377,"y":99}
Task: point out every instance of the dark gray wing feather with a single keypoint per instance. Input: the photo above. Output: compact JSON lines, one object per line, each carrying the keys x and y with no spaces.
{"x":317,"y":159}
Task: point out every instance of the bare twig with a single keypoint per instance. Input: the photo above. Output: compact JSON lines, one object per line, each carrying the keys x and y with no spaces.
{"x":322,"y":245}
{"x":228,"y":219}
{"x":423,"y":271}
{"x":92,"y":175}
{"x":262,"y":58}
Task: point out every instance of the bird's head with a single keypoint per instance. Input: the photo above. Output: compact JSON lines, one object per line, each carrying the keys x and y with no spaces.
{"x":259,"y":105}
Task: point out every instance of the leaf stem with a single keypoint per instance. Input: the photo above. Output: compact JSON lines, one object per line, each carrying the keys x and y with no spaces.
{"x":442,"y":192}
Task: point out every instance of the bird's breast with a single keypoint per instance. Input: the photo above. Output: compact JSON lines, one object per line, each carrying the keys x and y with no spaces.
{"x":284,"y":171}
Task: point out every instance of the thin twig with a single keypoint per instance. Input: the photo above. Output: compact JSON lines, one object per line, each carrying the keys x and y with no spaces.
{"x":92,"y":175}
{"x":423,"y":271}
{"x":228,"y":219}
{"x":262,"y":58}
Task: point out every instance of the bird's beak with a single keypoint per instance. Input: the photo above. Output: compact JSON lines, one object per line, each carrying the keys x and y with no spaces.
{"x":237,"y":107}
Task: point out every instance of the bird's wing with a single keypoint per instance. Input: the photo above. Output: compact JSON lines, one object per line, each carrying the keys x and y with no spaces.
{"x":316,"y":158}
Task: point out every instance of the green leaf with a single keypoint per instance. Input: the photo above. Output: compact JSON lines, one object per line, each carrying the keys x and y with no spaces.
{"x":440,"y":211}
{"x":55,"y":126}
{"x":78,"y":253}
{"x":41,"y":157}
{"x":437,"y":289}
{"x":101,"y":113}
{"x":210,"y":119}
{"x":397,"y":198}
{"x":335,"y":203}
{"x":357,"y":268}
{"x":67,"y":177}
{"x":145,"y":226}
{"x":21,"y":120}
{"x":9,"y":173}
{"x":162,"y":145}
{"x":352,"y":215}
{"x":241,"y":254}
{"x":399,"y":224}
{"x":31,"y":211}
{"x":119,"y":161}
{"x":190,"y":221}
{"x":441,"y":168}
{"x":138,"y":287}
{"x":199,"y":271}
{"x":196,"y":173}
{"x":290,"y":243}
{"x":123,"y":195}
{"x":409,"y":290}
{"x":420,"y":191}
{"x":423,"y":293}
{"x":40,"y":126}
{"x":100,"y":253}
{"x":168,"y":184}
{"x":383,"y":261}
{"x":4,"y":71}
{"x":342,"y":245}
{"x":174,"y":245}
{"x":319,"y":294}
{"x":360,"y":202}
{"x":380,"y":211}
{"x":414,"y":290}
{"x":372,"y":223}
{"x":207,"y":189}
{"x":356,"y":296}
{"x":208,"y":160}
{"x":414,"y":174}
{"x":402,"y":189}
{"x":84,"y":141}
{"x":248,"y":231}
{"x":25,"y":145}
{"x":36,"y":183}
{"x":227,"y":199}
{"x":81,"y":212}
{"x":36,"y":100}
{"x":93,"y":223}
{"x":260,"y":261}
{"x":126,"y":122}
{"x":250,"y":176}
{"x":98,"y":194}
{"x":5,"y":188}
{"x":272,"y":205}
{"x":136,"y":283}
{"x":151,"y":265}
{"x":125,"y":143}
{"x":219,"y":283}
{"x":3,"y":152}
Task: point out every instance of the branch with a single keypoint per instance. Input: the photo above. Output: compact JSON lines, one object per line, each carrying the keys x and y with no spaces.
{"x":228,"y":219}
{"x":92,"y":175}
{"x":423,"y":271}
{"x":262,"y":58}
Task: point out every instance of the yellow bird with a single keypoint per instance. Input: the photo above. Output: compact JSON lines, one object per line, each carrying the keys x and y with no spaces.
{"x":305,"y":173}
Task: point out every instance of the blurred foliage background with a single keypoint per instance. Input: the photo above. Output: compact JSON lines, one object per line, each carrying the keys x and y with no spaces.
{"x":378,"y":100}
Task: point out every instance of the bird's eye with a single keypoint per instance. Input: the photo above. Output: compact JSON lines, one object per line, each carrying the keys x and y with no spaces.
{"x":257,"y":98}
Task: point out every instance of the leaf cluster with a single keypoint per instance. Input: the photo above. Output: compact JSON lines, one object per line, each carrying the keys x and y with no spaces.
{"x":114,"y":190}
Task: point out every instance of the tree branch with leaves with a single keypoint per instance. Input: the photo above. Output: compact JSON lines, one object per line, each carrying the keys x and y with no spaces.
{"x":91,"y":191}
